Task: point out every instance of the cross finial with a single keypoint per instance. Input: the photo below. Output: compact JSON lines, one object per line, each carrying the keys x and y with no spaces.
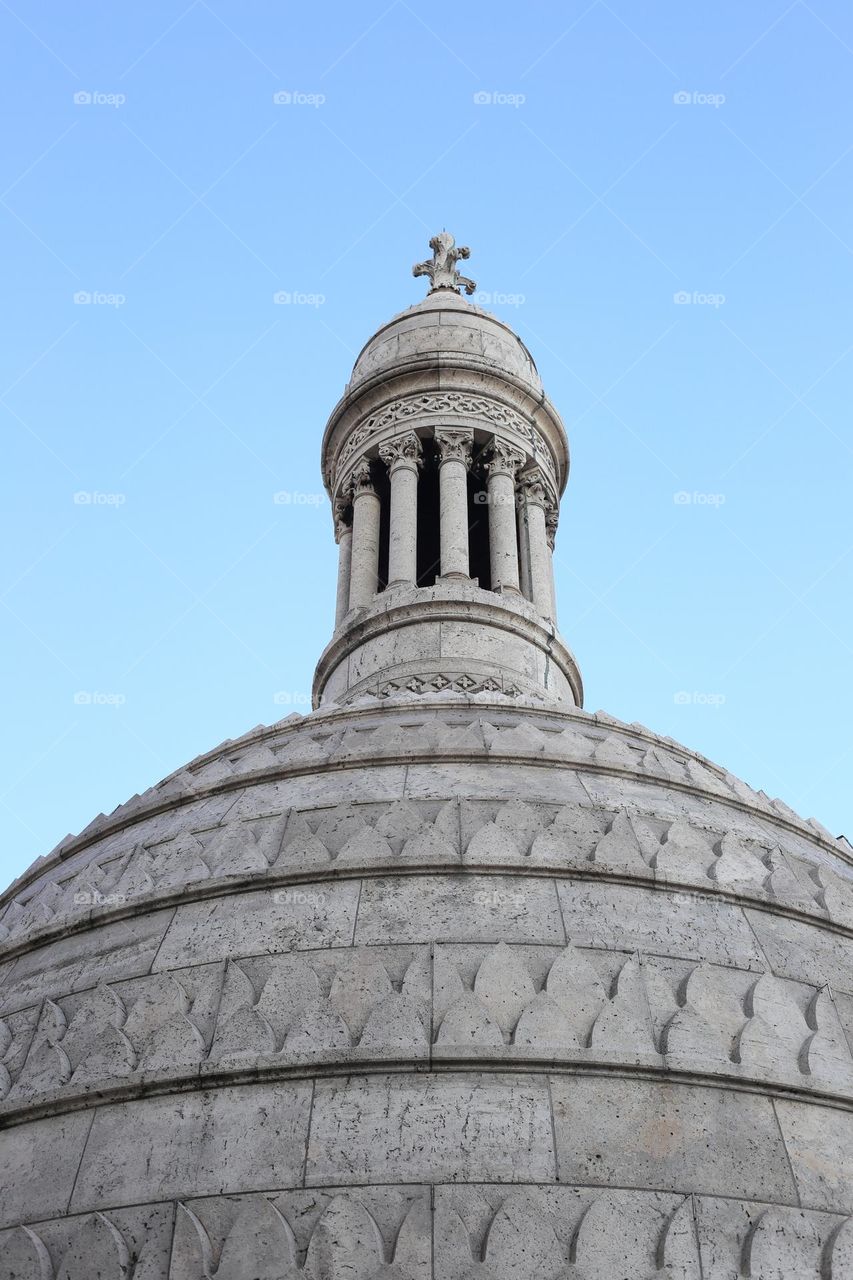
{"x":441,"y":268}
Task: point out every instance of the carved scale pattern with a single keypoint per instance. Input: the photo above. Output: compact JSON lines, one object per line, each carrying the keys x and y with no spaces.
{"x":473,"y":1233}
{"x":570,"y":837}
{"x":505,"y":1002}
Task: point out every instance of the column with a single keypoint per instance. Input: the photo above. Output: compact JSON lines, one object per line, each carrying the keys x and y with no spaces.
{"x":551,"y":521}
{"x":402,"y":458}
{"x":364,"y":571}
{"x":503,"y":537}
{"x":535,"y":498}
{"x":454,"y":450}
{"x":343,"y":537}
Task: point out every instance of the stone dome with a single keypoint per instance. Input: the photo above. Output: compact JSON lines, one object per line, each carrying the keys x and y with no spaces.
{"x":445,"y":329}
{"x":449,"y":981}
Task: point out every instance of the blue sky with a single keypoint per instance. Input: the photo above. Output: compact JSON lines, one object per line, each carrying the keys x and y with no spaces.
{"x":627,"y":154}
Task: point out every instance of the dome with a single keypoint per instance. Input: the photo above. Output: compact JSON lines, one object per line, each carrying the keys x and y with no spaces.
{"x":444,"y":329}
{"x":450,"y":979}
{"x":533,"y":985}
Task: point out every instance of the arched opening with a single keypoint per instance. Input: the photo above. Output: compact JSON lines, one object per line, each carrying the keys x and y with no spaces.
{"x":480,"y":567}
{"x":382,"y":484}
{"x":429,"y":531}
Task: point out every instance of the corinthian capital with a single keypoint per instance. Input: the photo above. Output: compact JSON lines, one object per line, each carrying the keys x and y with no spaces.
{"x":342,"y":510}
{"x":505,"y":460}
{"x":402,"y":450}
{"x":362,"y":480}
{"x":455,"y":446}
{"x":552,"y":519}
{"x":534,"y":487}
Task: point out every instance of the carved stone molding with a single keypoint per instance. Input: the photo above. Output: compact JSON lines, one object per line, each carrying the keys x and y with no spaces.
{"x":456,"y":446}
{"x":405,"y":450}
{"x":457,"y":403}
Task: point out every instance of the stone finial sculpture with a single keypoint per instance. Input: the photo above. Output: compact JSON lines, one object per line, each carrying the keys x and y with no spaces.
{"x":441,"y":269}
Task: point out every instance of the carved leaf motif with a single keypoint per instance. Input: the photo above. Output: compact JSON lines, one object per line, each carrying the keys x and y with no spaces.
{"x":522,"y":1243}
{"x":837,"y":895}
{"x":619,"y":1235}
{"x":524,"y":739}
{"x":260,"y":1244}
{"x":678,"y":1254}
{"x":303,"y":847}
{"x":826,"y":1056}
{"x":25,"y":1256}
{"x":192,"y":1254}
{"x":394,"y":1025}
{"x":570,"y":839}
{"x":620,"y":850}
{"x":574,"y":985}
{"x":785,"y":887}
{"x":782,"y":1243}
{"x":623,"y":1025}
{"x":544,"y":1025}
{"x":234,"y":849}
{"x":447,"y":985}
{"x":98,"y":1249}
{"x":366,"y":846}
{"x":317,"y":1029}
{"x":399,"y":823}
{"x":467,"y":1023}
{"x":738,"y":868}
{"x":503,"y":986}
{"x":339,"y":826}
{"x":345,"y":1244}
{"x":178,"y":863}
{"x":614,"y":750}
{"x":136,"y":878}
{"x":685,"y":855}
{"x":413,"y":1246}
{"x":358,"y":986}
{"x":839,"y":1252}
{"x":292,"y":985}
{"x":245,"y":1036}
{"x":773,"y":1037}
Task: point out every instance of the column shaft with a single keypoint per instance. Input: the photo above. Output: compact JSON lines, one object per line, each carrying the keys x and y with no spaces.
{"x":403,"y":535}
{"x":540,"y":569}
{"x":364,"y":572}
{"x":455,"y":458}
{"x":503,"y":527}
{"x":344,"y":567}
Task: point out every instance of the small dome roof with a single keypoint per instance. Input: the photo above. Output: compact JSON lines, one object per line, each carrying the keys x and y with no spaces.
{"x":445,"y":327}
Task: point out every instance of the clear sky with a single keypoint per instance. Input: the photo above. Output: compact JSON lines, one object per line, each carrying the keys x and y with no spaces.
{"x":626,"y":154}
